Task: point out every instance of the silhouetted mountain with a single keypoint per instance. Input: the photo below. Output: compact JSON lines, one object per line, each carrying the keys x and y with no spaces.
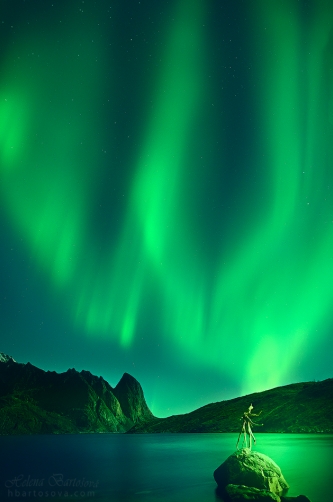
{"x":296,"y":408}
{"x":129,"y":393}
{"x":35,"y":401}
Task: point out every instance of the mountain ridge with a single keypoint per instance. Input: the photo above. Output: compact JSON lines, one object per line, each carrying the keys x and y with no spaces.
{"x":34,"y":401}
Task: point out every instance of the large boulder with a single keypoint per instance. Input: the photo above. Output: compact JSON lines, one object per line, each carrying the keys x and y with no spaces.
{"x":241,"y":493}
{"x":252,"y":469}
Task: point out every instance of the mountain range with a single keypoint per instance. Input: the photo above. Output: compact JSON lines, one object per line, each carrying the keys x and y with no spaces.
{"x":37,"y":401}
{"x":34,"y":401}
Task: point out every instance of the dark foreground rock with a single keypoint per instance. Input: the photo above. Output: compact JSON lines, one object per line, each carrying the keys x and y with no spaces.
{"x":244,"y":493}
{"x":252,"y":469}
{"x":300,"y":498}
{"x":241,"y":493}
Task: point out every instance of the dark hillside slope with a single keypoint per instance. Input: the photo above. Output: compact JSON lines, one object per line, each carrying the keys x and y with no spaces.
{"x":302,"y":407}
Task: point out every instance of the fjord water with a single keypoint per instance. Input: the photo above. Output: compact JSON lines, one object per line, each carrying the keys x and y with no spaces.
{"x":150,"y":467}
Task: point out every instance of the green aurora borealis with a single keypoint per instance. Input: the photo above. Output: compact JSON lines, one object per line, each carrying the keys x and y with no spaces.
{"x":166,"y":192}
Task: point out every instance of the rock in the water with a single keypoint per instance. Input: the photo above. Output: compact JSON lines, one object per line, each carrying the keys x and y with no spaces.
{"x":252,"y":469}
{"x":241,"y":493}
{"x":300,"y":498}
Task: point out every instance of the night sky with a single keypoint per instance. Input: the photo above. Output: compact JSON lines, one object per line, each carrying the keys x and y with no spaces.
{"x":167,"y":192}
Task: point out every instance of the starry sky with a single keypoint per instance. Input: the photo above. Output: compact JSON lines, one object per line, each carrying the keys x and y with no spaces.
{"x":166,"y":195}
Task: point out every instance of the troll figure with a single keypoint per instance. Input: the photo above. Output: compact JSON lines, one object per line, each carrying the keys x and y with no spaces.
{"x":246,"y":426}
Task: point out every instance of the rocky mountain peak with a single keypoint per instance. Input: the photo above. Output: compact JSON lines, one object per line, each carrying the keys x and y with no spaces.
{"x":130,"y":395}
{"x":128,"y":381}
{"x":6,"y":359}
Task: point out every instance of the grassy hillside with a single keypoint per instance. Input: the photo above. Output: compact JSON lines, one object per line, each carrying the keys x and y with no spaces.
{"x":303,"y":407}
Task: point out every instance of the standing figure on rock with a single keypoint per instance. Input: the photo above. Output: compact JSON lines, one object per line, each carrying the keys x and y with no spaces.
{"x":246,"y":426}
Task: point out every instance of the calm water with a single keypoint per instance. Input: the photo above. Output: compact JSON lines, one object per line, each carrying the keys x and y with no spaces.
{"x":150,"y":468}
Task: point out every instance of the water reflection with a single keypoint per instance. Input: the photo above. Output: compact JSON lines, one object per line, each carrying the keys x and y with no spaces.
{"x":161,"y":467}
